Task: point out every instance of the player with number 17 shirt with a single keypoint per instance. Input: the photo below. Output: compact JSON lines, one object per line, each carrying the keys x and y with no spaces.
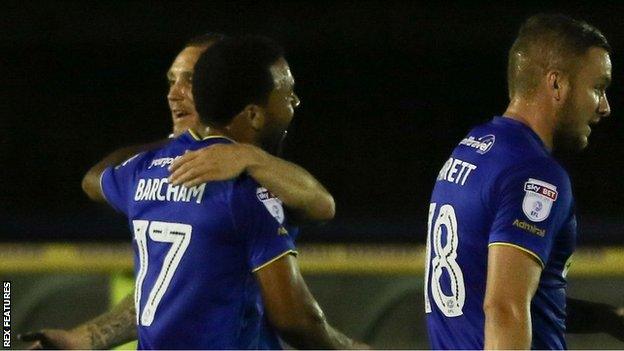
{"x":500,"y":186}
{"x":214,"y":257}
{"x":195,"y":249}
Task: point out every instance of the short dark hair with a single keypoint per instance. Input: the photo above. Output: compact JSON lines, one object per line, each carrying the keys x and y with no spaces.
{"x":234,"y":73}
{"x":547,"y":41}
{"x":205,"y":39}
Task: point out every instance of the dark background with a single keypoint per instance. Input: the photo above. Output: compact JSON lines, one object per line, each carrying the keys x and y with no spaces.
{"x":387,"y":90}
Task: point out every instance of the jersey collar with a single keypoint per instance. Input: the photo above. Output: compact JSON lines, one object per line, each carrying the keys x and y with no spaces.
{"x":198,"y":138}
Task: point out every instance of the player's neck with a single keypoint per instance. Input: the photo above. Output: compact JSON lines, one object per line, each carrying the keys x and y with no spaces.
{"x":535,"y":116}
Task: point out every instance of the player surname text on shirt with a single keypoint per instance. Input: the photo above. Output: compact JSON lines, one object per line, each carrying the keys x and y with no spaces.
{"x":159,"y":189}
{"x":456,"y":171}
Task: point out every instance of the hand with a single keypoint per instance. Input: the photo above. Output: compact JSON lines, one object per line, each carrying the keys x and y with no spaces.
{"x":212,"y":163}
{"x":50,"y":339}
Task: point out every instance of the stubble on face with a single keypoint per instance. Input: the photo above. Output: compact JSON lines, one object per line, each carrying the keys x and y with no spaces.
{"x":569,"y":135}
{"x":586,"y":103}
{"x":280,"y":107}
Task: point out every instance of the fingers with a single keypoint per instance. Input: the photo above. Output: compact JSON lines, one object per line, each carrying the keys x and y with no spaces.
{"x":35,"y":346}
{"x":192,"y":176}
{"x":203,"y":153}
{"x":183,"y":173}
{"x":188,"y":155}
{"x":31,"y":336}
{"x":181,"y":176}
{"x":38,"y":337}
{"x":203,"y":165}
{"x":194,"y":166}
{"x":193,"y":181}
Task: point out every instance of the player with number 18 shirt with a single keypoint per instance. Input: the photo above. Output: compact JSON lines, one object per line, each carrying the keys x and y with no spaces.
{"x":500,"y":186}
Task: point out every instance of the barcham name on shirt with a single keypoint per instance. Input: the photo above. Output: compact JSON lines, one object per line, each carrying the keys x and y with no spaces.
{"x":159,"y":189}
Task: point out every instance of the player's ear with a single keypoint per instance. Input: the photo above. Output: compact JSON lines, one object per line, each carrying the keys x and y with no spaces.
{"x":557,"y":85}
{"x":255,"y":116}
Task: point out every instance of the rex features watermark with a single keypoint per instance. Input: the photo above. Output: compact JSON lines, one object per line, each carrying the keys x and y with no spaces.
{"x":6,"y":314}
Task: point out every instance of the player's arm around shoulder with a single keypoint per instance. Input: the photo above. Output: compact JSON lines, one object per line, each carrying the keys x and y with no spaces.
{"x":512,"y":279}
{"x":294,"y":312}
{"x":303,"y":195}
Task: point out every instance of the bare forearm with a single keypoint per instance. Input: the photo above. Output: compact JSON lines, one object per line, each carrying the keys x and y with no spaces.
{"x":91,"y":180}
{"x":512,"y":279}
{"x":295,"y":186}
{"x":507,"y":328}
{"x":308,"y":329}
{"x":113,"y":328}
{"x":293,"y":311}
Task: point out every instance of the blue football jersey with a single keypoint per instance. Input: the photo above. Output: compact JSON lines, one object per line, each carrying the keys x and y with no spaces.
{"x":500,"y":186}
{"x":195,"y":251}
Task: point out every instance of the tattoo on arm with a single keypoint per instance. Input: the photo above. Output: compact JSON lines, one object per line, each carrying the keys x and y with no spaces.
{"x":115,"y":327}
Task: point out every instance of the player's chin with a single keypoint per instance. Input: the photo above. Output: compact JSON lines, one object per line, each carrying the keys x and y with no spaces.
{"x":572,"y":142}
{"x":584,"y":137}
{"x":184,"y":124}
{"x":579,"y":143}
{"x":583,"y":143}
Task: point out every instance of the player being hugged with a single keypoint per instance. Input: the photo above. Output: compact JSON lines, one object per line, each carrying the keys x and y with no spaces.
{"x":501,"y":219}
{"x":215,"y":262}
{"x":305,"y":200}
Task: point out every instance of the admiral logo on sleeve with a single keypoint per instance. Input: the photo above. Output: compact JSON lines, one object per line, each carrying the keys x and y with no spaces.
{"x":272,"y":203}
{"x":538,"y":200}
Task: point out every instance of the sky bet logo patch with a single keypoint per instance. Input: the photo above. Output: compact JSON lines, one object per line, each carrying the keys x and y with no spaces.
{"x":272,"y":203}
{"x":264,"y":194}
{"x":538,"y":199}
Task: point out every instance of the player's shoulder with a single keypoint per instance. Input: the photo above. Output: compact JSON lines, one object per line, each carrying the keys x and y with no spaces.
{"x":544,"y":166}
{"x":165,"y":155}
{"x":245,"y":186}
{"x":543,"y":176}
{"x":252,"y":193}
{"x":504,"y":136}
{"x":512,"y":150}
{"x":136,"y":161}
{"x":504,"y":142}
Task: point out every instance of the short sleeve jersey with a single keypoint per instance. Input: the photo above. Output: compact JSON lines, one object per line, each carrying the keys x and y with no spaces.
{"x":500,"y":186}
{"x":195,"y":251}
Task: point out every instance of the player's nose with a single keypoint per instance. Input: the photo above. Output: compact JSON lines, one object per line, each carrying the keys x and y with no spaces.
{"x":604,"y":109}
{"x":296,"y":101}
{"x":176,"y":92}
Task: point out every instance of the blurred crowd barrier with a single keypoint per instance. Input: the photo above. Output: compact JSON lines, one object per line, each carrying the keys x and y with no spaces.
{"x":372,"y":292}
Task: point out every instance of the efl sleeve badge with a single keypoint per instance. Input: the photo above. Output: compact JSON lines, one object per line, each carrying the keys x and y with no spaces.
{"x":539,"y":197}
{"x":272,"y":203}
